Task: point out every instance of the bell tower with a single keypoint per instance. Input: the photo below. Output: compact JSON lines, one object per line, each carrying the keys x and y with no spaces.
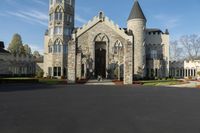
{"x":60,"y":27}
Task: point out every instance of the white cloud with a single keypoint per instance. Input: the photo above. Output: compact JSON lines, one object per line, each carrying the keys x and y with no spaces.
{"x":167,"y":21}
{"x":40,"y":2}
{"x":80,"y":19}
{"x":36,"y":15}
{"x":32,"y":16}
{"x":35,"y":47}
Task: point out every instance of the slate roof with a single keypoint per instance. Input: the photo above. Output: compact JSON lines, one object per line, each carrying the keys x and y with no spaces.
{"x":136,"y":12}
{"x":1,"y":44}
{"x":2,"y":50}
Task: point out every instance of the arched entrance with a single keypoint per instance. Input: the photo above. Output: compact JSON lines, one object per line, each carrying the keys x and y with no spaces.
{"x":101,"y":55}
{"x":100,"y":59}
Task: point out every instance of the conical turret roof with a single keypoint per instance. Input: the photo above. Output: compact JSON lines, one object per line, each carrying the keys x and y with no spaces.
{"x":136,"y":12}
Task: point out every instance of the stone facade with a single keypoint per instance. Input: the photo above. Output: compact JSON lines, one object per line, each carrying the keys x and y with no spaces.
{"x":15,"y":65}
{"x":72,"y":62}
{"x":157,"y":53}
{"x":103,"y":32}
{"x":102,"y":48}
{"x":61,"y":24}
{"x":138,"y":26}
{"x":185,"y":69}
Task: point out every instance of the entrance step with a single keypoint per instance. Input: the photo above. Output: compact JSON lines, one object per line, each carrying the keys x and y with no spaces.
{"x":103,"y":82}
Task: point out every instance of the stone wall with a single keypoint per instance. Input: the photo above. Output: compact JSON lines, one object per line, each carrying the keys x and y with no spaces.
{"x":128,"y":64}
{"x":137,"y":26}
{"x":105,"y":33}
{"x":71,"y":62}
{"x":16,"y":65}
{"x":160,"y":42}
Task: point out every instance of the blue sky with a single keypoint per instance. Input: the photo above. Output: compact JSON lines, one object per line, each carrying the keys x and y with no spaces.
{"x":29,"y":18}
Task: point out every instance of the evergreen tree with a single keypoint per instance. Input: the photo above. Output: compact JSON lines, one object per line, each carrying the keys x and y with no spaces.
{"x":27,"y":49}
{"x":36,"y":54}
{"x":16,"y":45}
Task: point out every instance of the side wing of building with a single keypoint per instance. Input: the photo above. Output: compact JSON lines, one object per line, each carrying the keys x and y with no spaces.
{"x":157,"y":53}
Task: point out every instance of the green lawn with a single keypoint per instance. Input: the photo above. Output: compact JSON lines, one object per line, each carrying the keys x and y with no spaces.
{"x":19,"y":80}
{"x":53,"y":81}
{"x":32,"y":80}
{"x":63,"y":81}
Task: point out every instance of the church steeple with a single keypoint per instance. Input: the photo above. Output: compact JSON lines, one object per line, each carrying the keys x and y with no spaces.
{"x":136,"y":12}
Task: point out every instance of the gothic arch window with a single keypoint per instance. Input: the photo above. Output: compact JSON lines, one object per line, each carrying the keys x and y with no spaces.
{"x":59,"y":13}
{"x":57,"y":46}
{"x":117,"y":46}
{"x":101,"y":38}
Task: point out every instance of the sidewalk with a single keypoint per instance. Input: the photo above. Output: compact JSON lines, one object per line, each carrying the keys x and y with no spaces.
{"x":191,"y":84}
{"x":96,"y":82}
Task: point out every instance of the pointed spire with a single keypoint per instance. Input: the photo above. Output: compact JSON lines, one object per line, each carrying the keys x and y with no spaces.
{"x":136,"y":12}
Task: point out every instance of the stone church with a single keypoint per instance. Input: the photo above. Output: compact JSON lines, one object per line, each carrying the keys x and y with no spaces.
{"x":102,"y":48}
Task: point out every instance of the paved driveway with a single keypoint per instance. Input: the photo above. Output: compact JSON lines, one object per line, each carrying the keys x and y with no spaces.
{"x":190,"y":84}
{"x":98,"y":109}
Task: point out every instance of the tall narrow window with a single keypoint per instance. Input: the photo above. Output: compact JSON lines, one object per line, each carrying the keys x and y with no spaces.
{"x":59,"y":1}
{"x":154,"y":54}
{"x":58,"y":30}
{"x":57,"y":71}
{"x":59,"y":13}
{"x":57,"y":46}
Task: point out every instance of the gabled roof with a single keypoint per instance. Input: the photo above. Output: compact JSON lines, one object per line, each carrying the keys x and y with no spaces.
{"x":101,"y":18}
{"x":2,"y":50}
{"x":136,"y":12}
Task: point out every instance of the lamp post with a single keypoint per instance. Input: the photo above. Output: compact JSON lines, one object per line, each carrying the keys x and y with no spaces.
{"x":118,"y":46}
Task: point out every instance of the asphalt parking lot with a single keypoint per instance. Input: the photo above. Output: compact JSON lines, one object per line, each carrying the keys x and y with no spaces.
{"x":37,"y":108}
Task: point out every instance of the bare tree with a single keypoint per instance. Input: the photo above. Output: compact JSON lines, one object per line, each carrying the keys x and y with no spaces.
{"x":176,"y":51}
{"x":195,"y":41}
{"x":191,"y":45}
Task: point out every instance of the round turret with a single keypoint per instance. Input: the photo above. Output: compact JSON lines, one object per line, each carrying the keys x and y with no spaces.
{"x":137,"y":25}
